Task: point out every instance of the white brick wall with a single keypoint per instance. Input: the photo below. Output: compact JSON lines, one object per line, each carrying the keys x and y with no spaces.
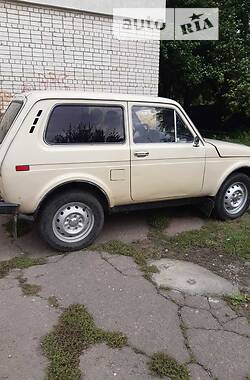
{"x":48,"y":48}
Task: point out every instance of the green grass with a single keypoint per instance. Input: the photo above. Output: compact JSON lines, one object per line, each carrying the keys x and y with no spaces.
{"x":20,"y":262}
{"x":163,"y":365}
{"x":75,"y":332}
{"x":229,"y":238}
{"x":28,"y":289}
{"x":139,"y":255}
{"x":238,"y":300}
{"x":53,"y":302}
{"x":232,"y":237}
{"x":241,"y":137}
{"x":158,"y":220}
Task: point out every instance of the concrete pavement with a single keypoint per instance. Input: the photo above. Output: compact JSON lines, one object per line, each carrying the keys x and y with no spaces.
{"x":201,"y":332}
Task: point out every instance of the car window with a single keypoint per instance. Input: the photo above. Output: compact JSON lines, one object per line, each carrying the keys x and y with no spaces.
{"x":182,"y":131}
{"x":9,"y":117}
{"x":158,"y":125}
{"x":78,"y":124}
{"x":153,"y":124}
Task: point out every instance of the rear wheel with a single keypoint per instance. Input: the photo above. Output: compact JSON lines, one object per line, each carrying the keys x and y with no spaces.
{"x":233,"y":198}
{"x":71,"y":221}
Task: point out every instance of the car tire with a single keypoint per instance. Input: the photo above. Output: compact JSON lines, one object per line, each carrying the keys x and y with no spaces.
{"x":233,"y":198}
{"x":71,"y":221}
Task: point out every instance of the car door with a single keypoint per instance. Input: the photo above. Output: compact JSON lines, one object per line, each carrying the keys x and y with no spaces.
{"x":165,"y":162}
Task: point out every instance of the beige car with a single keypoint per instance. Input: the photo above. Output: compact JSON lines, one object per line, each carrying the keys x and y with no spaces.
{"x":67,"y":158}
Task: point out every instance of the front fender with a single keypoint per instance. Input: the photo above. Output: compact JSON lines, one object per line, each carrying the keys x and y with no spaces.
{"x":243,"y":164}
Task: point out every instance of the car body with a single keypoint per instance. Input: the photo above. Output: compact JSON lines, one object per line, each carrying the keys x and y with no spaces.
{"x":124,"y":150}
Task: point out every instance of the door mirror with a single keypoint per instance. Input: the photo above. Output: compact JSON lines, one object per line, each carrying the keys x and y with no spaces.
{"x":196,"y":141}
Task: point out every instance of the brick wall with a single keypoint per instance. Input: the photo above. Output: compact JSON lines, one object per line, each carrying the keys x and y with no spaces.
{"x":52,"y":48}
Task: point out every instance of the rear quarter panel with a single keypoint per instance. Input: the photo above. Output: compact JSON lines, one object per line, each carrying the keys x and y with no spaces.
{"x":52,"y":165}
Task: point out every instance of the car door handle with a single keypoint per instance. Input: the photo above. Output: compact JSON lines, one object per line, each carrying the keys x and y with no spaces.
{"x":141,"y":154}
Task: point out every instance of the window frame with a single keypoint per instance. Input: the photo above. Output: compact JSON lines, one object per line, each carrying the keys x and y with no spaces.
{"x":22,"y":103}
{"x":176,"y":130}
{"x":86,"y":104}
{"x":177,"y":111}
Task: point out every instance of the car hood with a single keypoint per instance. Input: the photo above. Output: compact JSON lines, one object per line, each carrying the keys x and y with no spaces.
{"x":227,"y":149}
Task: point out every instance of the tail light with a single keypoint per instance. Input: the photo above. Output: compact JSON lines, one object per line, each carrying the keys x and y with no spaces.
{"x":22,"y":168}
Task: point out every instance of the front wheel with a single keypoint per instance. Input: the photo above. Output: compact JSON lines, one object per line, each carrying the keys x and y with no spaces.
{"x":71,"y":221}
{"x":233,"y":198}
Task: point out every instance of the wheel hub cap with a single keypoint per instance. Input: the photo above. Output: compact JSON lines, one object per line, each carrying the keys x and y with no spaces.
{"x":235,"y":198}
{"x":73,"y":222}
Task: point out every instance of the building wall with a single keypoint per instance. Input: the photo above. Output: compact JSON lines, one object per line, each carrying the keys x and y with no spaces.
{"x":52,"y":48}
{"x":100,"y":6}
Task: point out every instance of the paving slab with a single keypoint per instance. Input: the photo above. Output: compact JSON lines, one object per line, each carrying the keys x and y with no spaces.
{"x":239,"y":325}
{"x":197,"y":372}
{"x":125,"y":265}
{"x":30,"y":243}
{"x":224,"y":314}
{"x":183,"y":223}
{"x":113,"y":289}
{"x":216,"y":303}
{"x":23,"y":321}
{"x":8,"y":249}
{"x":198,"y":319}
{"x":197,"y":302}
{"x":174,"y":295}
{"x":124,"y":227}
{"x":33,"y":245}
{"x":190,"y":278}
{"x":225,"y":354}
{"x":103,"y":363}
{"x":127,"y":303}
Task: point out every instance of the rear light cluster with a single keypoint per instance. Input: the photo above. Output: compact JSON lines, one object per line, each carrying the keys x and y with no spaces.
{"x":22,"y":168}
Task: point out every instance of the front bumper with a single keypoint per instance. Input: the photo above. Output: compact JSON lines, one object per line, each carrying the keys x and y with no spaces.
{"x":8,"y":208}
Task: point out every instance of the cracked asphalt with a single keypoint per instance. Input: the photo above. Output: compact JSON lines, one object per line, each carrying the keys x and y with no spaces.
{"x":202,"y":332}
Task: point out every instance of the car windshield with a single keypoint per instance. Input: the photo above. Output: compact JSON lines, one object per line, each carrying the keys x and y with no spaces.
{"x":9,"y":116}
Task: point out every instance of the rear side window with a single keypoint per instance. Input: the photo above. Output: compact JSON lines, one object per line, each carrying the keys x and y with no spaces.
{"x":9,"y":117}
{"x":80,"y":124}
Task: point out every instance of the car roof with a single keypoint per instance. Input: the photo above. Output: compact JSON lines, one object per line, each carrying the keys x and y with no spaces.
{"x":64,"y":94}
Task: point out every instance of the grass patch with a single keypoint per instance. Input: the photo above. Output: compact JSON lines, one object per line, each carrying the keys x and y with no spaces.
{"x":53,"y":302}
{"x":163,"y":365}
{"x":20,"y":262}
{"x":23,"y":227}
{"x":231,"y":237}
{"x":238,"y":300}
{"x":139,"y":255}
{"x":28,"y":289}
{"x":75,"y":332}
{"x":158,"y":221}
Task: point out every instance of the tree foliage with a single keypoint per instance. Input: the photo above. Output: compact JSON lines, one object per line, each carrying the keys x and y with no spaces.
{"x":211,"y":72}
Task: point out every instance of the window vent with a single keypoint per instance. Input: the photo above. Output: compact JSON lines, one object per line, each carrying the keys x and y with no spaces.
{"x":36,"y":121}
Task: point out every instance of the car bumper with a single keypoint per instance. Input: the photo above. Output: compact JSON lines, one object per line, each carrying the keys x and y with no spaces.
{"x":8,"y":208}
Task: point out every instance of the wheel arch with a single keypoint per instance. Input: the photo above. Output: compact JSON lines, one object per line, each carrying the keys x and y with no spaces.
{"x":241,"y":169}
{"x":244,"y":170}
{"x":83,"y":185}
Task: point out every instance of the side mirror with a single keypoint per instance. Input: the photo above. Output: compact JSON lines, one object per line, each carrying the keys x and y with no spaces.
{"x":196,"y":141}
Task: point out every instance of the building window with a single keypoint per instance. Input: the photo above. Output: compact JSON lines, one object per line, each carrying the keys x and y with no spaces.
{"x":81,"y":124}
